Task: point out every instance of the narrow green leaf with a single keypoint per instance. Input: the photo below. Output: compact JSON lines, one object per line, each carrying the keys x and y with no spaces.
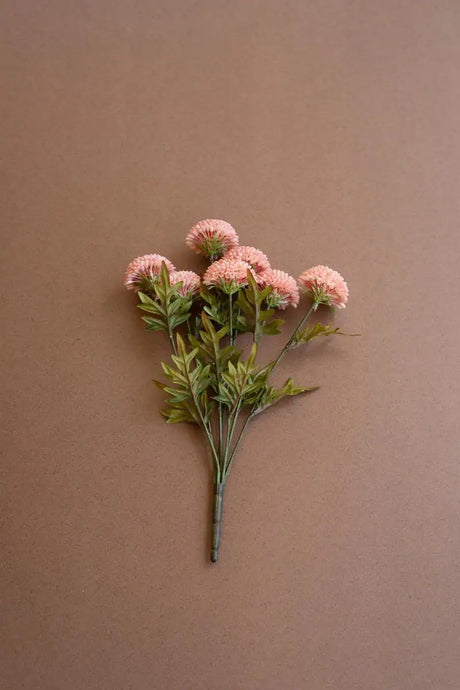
{"x":273,"y":327}
{"x":145,"y":299}
{"x":153,"y":324}
{"x":314,"y":331}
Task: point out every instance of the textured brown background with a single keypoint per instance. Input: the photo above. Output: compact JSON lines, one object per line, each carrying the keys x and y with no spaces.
{"x":325,"y":132}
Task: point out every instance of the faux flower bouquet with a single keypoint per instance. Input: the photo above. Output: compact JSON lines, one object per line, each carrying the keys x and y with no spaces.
{"x":210,"y":382}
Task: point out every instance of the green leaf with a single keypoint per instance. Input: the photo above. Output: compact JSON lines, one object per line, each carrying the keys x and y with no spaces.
{"x":145,"y":299}
{"x":273,"y":327}
{"x":243,"y":303}
{"x":254,"y":316}
{"x":207,"y":405}
{"x":169,"y":309}
{"x":236,"y":380}
{"x":190,"y":378}
{"x":265,"y":314}
{"x":153,"y":324}
{"x":164,"y":275}
{"x":314,"y":331}
{"x":215,"y":306}
{"x":159,"y":384}
{"x":176,"y":321}
{"x":272,"y":395}
{"x":176,"y":414}
{"x":251,"y":358}
{"x":180,"y":346}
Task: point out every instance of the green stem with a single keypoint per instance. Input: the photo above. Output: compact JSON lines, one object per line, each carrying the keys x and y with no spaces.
{"x":232,"y":419}
{"x":230,"y":317}
{"x":171,"y":339}
{"x":220,"y":448}
{"x":235,"y":332}
{"x":313,"y":308}
{"x":229,"y":460}
{"x":257,"y":331}
{"x":206,"y":429}
{"x":165,"y":304}
{"x":217,"y":519}
{"x":217,"y":468}
{"x":221,"y":432}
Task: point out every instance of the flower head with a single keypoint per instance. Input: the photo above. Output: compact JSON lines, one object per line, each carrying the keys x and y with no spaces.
{"x":191,"y":282}
{"x":144,"y":270}
{"x":254,"y":257}
{"x":285,"y":292}
{"x":325,"y":285}
{"x":212,"y":238}
{"x":227,"y":274}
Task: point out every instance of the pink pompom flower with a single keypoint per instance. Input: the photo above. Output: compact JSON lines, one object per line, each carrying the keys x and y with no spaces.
{"x":227,"y":274}
{"x":254,"y":257}
{"x":144,"y":270}
{"x":191,"y":282}
{"x":285,"y":292}
{"x":325,"y":286}
{"x":212,"y":238}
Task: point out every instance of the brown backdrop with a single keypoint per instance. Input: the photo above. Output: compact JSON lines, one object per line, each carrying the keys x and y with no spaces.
{"x":326,"y":132}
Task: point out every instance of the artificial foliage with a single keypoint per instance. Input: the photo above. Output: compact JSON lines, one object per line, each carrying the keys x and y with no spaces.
{"x":211,"y":380}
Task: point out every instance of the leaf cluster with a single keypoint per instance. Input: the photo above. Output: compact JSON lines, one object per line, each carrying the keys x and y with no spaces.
{"x":249,"y":310}
{"x":210,"y":350}
{"x":213,"y":372}
{"x":188,"y":388}
{"x":271,"y":395}
{"x":235,"y":381}
{"x":167,"y":309}
{"x":215,"y":306}
{"x":252,"y":315}
{"x":245,"y":385}
{"x":314,"y":331}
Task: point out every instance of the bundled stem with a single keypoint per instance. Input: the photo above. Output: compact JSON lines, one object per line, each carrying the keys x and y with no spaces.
{"x":217,"y":520}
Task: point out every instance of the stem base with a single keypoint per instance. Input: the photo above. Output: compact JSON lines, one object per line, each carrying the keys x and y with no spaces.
{"x":217,"y":520}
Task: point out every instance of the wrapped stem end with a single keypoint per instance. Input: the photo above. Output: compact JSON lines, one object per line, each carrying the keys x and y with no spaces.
{"x":217,"y":521}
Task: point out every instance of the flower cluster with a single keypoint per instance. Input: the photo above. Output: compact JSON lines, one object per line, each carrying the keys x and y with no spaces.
{"x":230,"y":275}
{"x":212,"y":238}
{"x":230,"y":262}
{"x":284,"y":290}
{"x":190,"y":282}
{"x":257,"y":260}
{"x":325,"y":286}
{"x":144,"y":270}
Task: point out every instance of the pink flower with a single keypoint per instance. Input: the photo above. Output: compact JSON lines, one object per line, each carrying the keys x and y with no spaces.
{"x":325,"y":286}
{"x":285,"y":292}
{"x":212,"y":238}
{"x":227,"y":274}
{"x":254,"y":257}
{"x":191,"y":282}
{"x":144,"y":269}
